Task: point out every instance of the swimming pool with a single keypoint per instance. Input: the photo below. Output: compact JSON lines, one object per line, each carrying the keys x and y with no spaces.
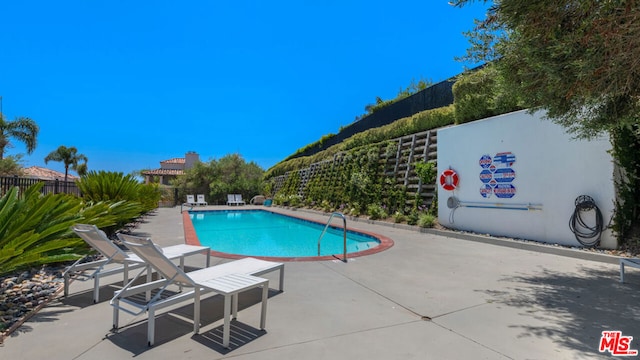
{"x":267,"y":234}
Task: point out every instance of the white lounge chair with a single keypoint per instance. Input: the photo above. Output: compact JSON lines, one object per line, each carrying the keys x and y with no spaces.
{"x":201,"y":200}
{"x":228,"y":279}
{"x":191,"y":201}
{"x":112,"y":254}
{"x":231,"y":199}
{"x":238,"y":199}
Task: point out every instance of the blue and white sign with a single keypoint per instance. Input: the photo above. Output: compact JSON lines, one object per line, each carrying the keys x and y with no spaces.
{"x":485,"y":161}
{"x":504,"y":191}
{"x":497,"y":175}
{"x":504,"y":175}
{"x":504,"y":159}
{"x":486,"y":191}
{"x":485,"y":176}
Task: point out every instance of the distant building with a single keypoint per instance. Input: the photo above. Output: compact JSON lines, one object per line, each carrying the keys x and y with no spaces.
{"x":171,"y":169}
{"x":37,"y":172}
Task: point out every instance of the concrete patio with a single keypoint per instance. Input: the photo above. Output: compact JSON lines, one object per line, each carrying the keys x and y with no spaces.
{"x":431,"y":296}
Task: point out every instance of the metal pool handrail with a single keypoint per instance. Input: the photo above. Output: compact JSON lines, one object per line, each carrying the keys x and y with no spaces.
{"x":344,"y":220}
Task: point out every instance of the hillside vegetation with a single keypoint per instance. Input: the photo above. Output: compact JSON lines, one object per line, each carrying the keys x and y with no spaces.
{"x":358,"y":175}
{"x":477,"y":94}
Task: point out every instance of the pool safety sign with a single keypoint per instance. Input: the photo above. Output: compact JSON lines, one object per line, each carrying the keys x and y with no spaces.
{"x":497,"y":175}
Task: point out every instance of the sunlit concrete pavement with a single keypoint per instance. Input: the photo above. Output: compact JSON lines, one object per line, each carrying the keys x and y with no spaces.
{"x":430,"y":296}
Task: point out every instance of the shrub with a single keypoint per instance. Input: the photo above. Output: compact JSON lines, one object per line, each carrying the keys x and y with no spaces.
{"x":412,"y":218}
{"x":110,"y":216}
{"x":115,"y":186}
{"x":426,"y":220}
{"x":309,"y":202}
{"x":426,"y":171}
{"x":118,"y":198}
{"x":399,"y":217}
{"x":355,"y":209}
{"x":326,"y":206}
{"x":376,"y":212}
{"x":35,"y":230}
{"x":295,"y":200}
{"x":481,"y":93}
{"x":149,"y":195}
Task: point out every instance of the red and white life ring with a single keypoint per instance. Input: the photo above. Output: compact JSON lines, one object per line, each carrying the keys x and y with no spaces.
{"x":449,"y":180}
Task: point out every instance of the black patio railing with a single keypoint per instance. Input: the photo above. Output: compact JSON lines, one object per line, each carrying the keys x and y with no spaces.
{"x":50,"y":186}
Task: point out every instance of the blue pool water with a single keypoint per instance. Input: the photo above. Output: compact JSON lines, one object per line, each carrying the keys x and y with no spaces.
{"x":263,"y":233}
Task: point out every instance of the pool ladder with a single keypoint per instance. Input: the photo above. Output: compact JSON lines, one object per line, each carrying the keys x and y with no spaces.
{"x":344,"y":221}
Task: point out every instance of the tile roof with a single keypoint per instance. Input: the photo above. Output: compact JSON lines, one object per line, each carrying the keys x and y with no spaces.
{"x":46,"y":174}
{"x":163,"y":172}
{"x":173,"y":161}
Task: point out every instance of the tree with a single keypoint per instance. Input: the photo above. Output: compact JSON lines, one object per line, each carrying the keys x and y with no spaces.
{"x":82,"y":169}
{"x":21,"y":128}
{"x":578,"y":61}
{"x":414,"y":87}
{"x":70,"y":158}
{"x":575,"y":59}
{"x":235,"y":176}
{"x":11,"y":166}
{"x":231,"y":174}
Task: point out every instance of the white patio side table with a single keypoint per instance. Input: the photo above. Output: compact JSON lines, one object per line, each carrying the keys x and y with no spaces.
{"x":230,"y":286}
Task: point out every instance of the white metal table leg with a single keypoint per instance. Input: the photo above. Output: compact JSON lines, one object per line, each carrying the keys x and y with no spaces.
{"x":263,"y":314}
{"x":227,"y":322}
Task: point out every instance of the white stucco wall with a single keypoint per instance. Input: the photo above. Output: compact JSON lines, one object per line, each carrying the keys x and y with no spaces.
{"x":551,"y":170}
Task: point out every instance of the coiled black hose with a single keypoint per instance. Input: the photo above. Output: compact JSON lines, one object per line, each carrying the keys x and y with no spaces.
{"x":587,"y":235}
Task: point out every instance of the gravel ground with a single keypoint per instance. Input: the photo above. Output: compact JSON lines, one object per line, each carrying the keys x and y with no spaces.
{"x":24,"y":293}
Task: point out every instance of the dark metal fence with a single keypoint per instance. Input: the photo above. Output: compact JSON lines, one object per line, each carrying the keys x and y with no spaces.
{"x":433,"y":97}
{"x":50,"y":186}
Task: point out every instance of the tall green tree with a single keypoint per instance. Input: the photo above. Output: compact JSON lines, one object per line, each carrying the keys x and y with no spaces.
{"x":22,"y":129}
{"x":70,"y":158}
{"x":236,"y":176}
{"x":230,"y":174}
{"x":578,"y":60}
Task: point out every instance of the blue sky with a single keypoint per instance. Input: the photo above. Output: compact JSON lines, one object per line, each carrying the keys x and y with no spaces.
{"x":131,"y":83}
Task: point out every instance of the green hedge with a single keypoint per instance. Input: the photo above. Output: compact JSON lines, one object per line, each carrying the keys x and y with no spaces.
{"x":480,"y":94}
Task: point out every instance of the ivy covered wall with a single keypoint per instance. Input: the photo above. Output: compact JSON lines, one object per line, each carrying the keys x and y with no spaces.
{"x":382,"y":174}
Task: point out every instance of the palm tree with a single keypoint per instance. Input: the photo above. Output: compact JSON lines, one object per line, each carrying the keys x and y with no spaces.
{"x":22,"y":129}
{"x":70,"y":158}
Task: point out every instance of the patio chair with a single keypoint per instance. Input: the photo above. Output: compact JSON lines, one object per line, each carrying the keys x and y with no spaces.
{"x":191,"y":201}
{"x":201,"y":200}
{"x":238,"y":199}
{"x":113,"y":254}
{"x":228,"y":279}
{"x":231,"y":199}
